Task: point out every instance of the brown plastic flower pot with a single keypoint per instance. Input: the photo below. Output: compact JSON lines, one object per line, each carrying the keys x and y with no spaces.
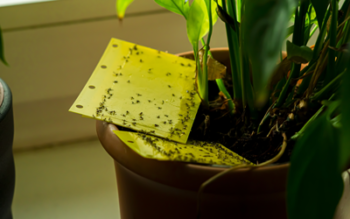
{"x":165,"y":189}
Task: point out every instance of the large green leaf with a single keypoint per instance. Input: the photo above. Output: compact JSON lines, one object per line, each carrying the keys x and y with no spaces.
{"x":320,"y":8}
{"x":2,"y":56}
{"x":198,"y":20}
{"x":264,"y":30}
{"x":180,"y":7}
{"x":122,"y":5}
{"x":314,"y":182}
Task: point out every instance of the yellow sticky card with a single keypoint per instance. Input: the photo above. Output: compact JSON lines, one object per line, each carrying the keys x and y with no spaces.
{"x":194,"y":151}
{"x":143,"y":89}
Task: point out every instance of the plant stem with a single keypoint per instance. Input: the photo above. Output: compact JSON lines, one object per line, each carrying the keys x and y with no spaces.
{"x":328,"y":89}
{"x":247,"y":89}
{"x":299,"y":133}
{"x":332,"y":42}
{"x":204,"y":82}
{"x":233,"y":43}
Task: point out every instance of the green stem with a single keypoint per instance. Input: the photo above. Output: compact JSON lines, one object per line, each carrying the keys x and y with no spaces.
{"x":332,"y":42}
{"x":222,"y":88}
{"x":233,"y":43}
{"x":247,"y":89}
{"x":328,"y":89}
{"x":315,"y":116}
{"x":239,"y":6}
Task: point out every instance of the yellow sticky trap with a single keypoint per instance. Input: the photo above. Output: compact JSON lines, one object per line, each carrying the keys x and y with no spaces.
{"x":142,"y":89}
{"x":196,"y":152}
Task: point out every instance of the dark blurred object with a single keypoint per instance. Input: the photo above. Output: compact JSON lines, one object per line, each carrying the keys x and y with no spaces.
{"x":7,"y":167}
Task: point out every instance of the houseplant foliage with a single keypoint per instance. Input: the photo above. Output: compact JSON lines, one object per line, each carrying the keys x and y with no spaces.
{"x":309,"y":104}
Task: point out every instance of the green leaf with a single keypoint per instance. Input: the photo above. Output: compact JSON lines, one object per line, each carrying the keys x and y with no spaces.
{"x":122,"y":5}
{"x":314,"y":184}
{"x":264,"y":30}
{"x":345,"y":119}
{"x":298,"y":54}
{"x":198,"y":20}
{"x":180,"y":7}
{"x":2,"y":56}
{"x":320,"y":7}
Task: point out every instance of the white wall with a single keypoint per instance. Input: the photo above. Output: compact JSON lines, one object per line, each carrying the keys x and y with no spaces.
{"x":53,"y":47}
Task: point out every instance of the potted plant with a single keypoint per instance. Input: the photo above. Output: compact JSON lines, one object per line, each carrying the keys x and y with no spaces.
{"x":272,"y":113}
{"x":7,"y":168}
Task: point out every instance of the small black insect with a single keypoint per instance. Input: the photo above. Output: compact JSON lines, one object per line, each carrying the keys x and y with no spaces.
{"x":169,"y":86}
{"x":128,"y":81}
{"x":132,"y":98}
{"x":115,"y":81}
{"x":156,"y":125}
{"x":137,"y":101}
{"x":182,"y":64}
{"x":134,"y":123}
{"x":141,"y":60}
{"x":127,"y":112}
{"x":138,"y":94}
{"x":173,"y":95}
{"x":159,"y":107}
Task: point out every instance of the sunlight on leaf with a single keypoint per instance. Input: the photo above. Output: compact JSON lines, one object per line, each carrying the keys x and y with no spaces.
{"x":122,"y":5}
{"x":180,"y":7}
{"x":198,"y":21}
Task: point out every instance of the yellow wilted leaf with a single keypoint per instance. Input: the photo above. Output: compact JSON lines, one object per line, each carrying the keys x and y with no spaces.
{"x":216,"y":70}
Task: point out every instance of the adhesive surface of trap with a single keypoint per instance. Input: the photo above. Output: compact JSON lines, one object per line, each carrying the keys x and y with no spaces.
{"x":142,"y":89}
{"x":193,"y":151}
